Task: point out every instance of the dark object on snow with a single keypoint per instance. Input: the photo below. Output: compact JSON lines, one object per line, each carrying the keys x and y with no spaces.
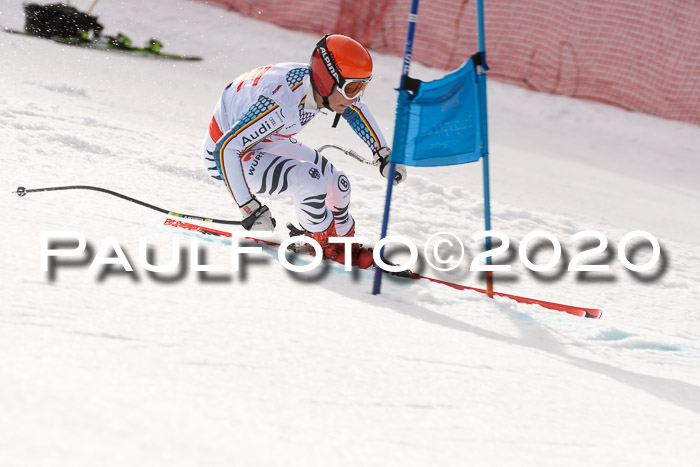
{"x":59,"y":20}
{"x":67,"y":25}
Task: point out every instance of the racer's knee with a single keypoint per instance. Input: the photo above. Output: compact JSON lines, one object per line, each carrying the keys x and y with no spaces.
{"x":310,"y":180}
{"x":338,"y":186}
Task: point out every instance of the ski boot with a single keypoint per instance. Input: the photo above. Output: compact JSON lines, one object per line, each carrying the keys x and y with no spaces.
{"x":360,"y":257}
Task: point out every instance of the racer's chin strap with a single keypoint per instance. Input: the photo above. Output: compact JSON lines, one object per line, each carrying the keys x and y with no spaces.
{"x":326,"y":103}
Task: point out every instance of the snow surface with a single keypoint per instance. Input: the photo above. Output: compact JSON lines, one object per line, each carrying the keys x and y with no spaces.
{"x":265,"y":368}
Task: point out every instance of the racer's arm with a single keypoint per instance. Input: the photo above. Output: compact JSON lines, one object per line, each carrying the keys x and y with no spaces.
{"x":261,"y":120}
{"x":363,"y":123}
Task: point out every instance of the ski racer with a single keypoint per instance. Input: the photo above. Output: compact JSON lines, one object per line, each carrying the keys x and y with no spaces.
{"x":251,"y":150}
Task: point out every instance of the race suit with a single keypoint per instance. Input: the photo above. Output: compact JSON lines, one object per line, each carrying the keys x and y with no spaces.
{"x":249,"y":147}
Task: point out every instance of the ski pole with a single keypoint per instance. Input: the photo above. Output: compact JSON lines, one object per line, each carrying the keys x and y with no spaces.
{"x":349,"y":152}
{"x":92,"y":6}
{"x":22,"y":191}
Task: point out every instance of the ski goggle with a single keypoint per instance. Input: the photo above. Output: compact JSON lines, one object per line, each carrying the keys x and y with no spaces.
{"x":353,"y":88}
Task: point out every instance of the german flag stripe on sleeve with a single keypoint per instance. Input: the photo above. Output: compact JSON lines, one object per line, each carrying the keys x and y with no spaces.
{"x":366,"y":124}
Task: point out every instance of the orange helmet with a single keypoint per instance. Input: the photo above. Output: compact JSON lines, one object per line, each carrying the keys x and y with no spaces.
{"x":340,"y":62}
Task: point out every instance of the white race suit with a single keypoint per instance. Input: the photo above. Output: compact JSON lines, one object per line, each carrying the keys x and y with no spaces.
{"x":250,"y":146}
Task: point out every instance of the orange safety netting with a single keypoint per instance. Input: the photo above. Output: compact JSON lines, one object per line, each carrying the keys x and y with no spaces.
{"x":642,"y":55}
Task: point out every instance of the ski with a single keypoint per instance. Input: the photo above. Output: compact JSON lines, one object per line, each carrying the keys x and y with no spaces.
{"x":212,"y":232}
{"x":299,"y":249}
{"x":117,"y":43}
{"x":593,"y":313}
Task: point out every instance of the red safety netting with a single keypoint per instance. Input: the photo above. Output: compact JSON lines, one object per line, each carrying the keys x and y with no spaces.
{"x":641,"y":55}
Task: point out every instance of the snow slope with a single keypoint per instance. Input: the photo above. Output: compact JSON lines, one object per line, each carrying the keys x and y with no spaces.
{"x":267,"y":368}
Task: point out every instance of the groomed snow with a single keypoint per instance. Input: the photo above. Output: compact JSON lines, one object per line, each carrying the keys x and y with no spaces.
{"x":266,"y":368}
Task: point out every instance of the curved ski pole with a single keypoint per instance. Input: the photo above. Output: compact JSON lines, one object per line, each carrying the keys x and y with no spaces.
{"x":349,"y":152}
{"x":22,"y":191}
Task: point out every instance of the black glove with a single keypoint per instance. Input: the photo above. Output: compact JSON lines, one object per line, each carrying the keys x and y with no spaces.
{"x":257,"y":216}
{"x":381,"y":160}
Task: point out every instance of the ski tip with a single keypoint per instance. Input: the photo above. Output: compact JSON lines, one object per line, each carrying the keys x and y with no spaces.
{"x":594,"y":314}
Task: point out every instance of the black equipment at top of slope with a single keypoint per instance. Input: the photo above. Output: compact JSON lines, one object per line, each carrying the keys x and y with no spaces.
{"x":22,"y":191}
{"x":59,"y":20}
{"x":67,"y":25}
